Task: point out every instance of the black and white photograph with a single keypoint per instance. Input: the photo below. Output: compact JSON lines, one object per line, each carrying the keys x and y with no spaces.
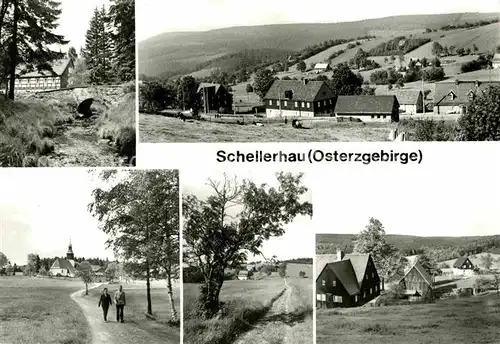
{"x":248,"y":250}
{"x":261,"y":71}
{"x":408,"y":258}
{"x":67,"y":83}
{"x":89,"y":257}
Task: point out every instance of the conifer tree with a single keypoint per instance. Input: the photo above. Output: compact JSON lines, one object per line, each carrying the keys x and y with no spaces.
{"x":98,"y":48}
{"x":122,"y":15}
{"x":27,"y":36}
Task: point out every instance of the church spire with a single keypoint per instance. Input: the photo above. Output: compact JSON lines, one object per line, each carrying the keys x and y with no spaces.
{"x":70,"y":254}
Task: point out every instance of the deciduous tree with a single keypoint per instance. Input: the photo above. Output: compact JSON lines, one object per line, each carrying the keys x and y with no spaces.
{"x":301,"y":66}
{"x":218,"y":238}
{"x":263,"y":81}
{"x":84,"y":272}
{"x":487,"y":261}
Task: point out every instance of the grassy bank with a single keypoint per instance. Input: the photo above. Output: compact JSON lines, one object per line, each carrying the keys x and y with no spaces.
{"x":26,"y":132}
{"x":118,"y":123}
{"x":459,"y":321}
{"x":40,"y":311}
{"x":137,"y":305}
{"x":245,"y":303}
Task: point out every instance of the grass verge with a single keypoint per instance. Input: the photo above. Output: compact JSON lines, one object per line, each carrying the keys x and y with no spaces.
{"x":40,"y":311}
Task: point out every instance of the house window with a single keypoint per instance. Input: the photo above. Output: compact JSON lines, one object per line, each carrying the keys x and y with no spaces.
{"x":323,"y":283}
{"x":270,"y":102}
{"x":356,"y":298}
{"x":373,"y":274}
{"x":319,"y":104}
{"x":308,"y":105}
{"x":451,"y":96}
{"x":296,"y":104}
{"x":330,"y":101}
{"x":366,"y":277}
{"x":324,"y":103}
{"x":337,"y":299}
{"x":471,"y":95}
{"x":321,"y":297}
{"x":364,"y":295}
{"x":334,"y":283}
{"x":303,"y":105}
{"x":370,"y":292}
{"x":285,"y":103}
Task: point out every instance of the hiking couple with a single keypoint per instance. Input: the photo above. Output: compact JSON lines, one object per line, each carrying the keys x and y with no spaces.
{"x":105,"y":301}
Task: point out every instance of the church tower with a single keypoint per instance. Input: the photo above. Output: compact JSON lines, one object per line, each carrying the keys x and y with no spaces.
{"x":70,"y":255}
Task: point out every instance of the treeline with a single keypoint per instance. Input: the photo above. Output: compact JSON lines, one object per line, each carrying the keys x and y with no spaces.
{"x":109,"y":52}
{"x":482,"y":62}
{"x":317,"y":48}
{"x":417,"y":70}
{"x":299,"y":261}
{"x":397,"y":46}
{"x":444,"y":248}
{"x":468,"y":25}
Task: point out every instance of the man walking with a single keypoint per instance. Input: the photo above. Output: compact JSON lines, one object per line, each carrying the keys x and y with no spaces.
{"x":120,"y":303}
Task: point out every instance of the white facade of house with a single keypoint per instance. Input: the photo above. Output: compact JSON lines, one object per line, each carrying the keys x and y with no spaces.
{"x":276,"y":113}
{"x":408,"y":108}
{"x":367,"y":118}
{"x":462,"y":272}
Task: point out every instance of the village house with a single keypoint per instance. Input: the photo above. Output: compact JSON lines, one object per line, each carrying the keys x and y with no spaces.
{"x":463,"y":266}
{"x":215,"y":98}
{"x":44,"y":80}
{"x":367,"y":108}
{"x":321,"y":68}
{"x":65,"y":267}
{"x":244,"y":275}
{"x":346,"y":280}
{"x":410,"y":101}
{"x":496,"y":61}
{"x":416,"y":282}
{"x":454,"y":96}
{"x":294,"y":98}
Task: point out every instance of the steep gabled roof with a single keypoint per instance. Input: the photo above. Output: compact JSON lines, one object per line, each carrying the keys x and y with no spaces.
{"x":208,"y":85}
{"x":461,"y":89}
{"x":58,"y":66}
{"x":365,"y":104}
{"x":321,"y":261}
{"x":414,"y":264}
{"x":460,"y":262}
{"x":302,"y":91}
{"x":61,"y":263}
{"x":359,"y":264}
{"x":345,"y":273}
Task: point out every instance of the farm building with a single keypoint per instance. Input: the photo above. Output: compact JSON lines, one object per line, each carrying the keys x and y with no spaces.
{"x":463,"y":266}
{"x":346,"y":280}
{"x":496,"y":61}
{"x":65,"y":267}
{"x":368,"y":108}
{"x":294,"y":98}
{"x":215,"y":98}
{"x":243,"y":275}
{"x":410,"y":101}
{"x":321,"y":67}
{"x":453,"y":96}
{"x":44,"y":80}
{"x":294,"y":269}
{"x":416,"y":281}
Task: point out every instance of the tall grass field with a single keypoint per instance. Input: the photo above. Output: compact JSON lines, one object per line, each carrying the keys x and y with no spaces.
{"x":471,"y":320}
{"x":35,"y":310}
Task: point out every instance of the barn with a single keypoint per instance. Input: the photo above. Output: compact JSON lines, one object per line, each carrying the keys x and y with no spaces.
{"x":346,"y":280}
{"x":416,"y":282}
{"x":368,"y":108}
{"x":463,"y":266}
{"x":410,"y":101}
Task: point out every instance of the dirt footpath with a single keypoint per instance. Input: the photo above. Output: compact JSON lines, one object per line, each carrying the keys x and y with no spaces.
{"x":282,"y":324}
{"x":113,"y":332}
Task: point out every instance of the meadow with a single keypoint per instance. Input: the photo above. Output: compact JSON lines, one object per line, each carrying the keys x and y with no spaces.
{"x":36,"y":310}
{"x":246,"y":304}
{"x":471,"y":320}
{"x":137,"y":305}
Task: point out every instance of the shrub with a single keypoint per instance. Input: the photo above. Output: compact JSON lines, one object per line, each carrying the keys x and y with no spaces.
{"x":431,"y":130}
{"x":482,"y":120}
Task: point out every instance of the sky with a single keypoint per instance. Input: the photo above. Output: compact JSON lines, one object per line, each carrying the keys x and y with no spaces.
{"x":298,"y":240}
{"x":42,"y":209}
{"x":74,"y":20}
{"x":159,"y":16}
{"x":437,"y":199}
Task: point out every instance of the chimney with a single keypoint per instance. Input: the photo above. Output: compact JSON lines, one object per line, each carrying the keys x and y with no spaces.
{"x":457,"y":82}
{"x":340,"y":255}
{"x":477,"y":83}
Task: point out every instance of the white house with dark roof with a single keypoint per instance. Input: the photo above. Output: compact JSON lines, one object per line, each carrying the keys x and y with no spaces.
{"x":463,"y":266}
{"x":321,"y":67}
{"x":299,"y":98}
{"x":368,"y":108}
{"x":496,"y":61}
{"x":410,"y":101}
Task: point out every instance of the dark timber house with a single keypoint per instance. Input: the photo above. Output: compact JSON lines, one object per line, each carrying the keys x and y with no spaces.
{"x":368,"y":108}
{"x":346,"y":281}
{"x":215,"y":98}
{"x":463,"y":266}
{"x":294,"y":98}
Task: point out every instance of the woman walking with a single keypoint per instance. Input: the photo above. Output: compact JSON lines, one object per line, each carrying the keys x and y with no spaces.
{"x":105,"y":301}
